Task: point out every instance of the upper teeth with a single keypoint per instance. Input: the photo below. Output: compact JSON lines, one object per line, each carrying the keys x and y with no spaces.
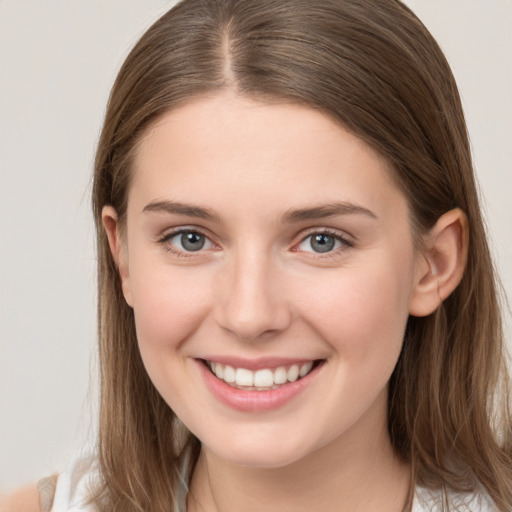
{"x":264,"y":378}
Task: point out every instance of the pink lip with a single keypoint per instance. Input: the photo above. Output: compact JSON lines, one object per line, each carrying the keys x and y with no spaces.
{"x":255,"y":401}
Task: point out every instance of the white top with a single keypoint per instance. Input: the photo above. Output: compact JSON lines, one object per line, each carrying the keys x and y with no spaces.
{"x":74,"y":485}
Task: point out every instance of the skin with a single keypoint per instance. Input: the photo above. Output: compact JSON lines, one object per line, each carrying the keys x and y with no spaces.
{"x":259,"y":289}
{"x":25,"y":499}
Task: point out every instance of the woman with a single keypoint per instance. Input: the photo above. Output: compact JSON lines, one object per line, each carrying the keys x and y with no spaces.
{"x":297,"y":306}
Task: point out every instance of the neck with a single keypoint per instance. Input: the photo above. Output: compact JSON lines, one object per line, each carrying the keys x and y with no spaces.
{"x":355,"y":472}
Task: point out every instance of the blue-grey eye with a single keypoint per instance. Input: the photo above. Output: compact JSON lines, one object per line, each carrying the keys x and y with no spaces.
{"x":190,"y":241}
{"x":320,"y":243}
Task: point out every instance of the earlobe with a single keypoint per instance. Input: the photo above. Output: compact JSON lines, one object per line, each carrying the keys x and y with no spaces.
{"x":442,"y":263}
{"x":110,"y":221}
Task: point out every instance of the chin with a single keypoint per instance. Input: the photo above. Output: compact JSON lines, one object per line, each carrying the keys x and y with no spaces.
{"x":262,"y":460}
{"x":260,"y":454}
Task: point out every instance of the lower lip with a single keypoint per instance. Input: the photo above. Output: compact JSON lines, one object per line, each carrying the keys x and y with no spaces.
{"x":255,"y":401}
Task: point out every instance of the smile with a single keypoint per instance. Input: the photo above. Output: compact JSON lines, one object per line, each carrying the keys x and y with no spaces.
{"x":269,"y":385}
{"x":263,"y":379}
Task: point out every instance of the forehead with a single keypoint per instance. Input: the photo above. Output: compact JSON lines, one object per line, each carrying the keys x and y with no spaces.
{"x":231,"y":150}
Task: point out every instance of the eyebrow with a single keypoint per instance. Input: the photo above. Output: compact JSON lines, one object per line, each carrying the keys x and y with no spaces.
{"x":290,"y":217}
{"x":181,"y":209}
{"x":328,"y":210}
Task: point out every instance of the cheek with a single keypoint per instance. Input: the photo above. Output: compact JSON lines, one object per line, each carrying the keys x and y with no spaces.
{"x":362,"y":312}
{"x":168,"y":304}
{"x":362,"y":316}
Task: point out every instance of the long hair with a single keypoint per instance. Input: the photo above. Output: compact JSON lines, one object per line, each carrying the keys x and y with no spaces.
{"x":373,"y":67}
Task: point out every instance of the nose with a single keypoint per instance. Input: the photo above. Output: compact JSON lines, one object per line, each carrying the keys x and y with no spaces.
{"x":251,"y":301}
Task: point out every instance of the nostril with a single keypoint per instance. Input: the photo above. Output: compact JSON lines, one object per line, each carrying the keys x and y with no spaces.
{"x":249,"y":304}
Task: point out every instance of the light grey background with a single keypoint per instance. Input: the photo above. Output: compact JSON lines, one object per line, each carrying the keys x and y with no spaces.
{"x":58,"y":60}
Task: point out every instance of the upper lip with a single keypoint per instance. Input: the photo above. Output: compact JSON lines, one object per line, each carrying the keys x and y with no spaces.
{"x":258,"y":363}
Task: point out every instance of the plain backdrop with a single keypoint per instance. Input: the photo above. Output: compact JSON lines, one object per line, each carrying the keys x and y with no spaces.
{"x":58,"y":60}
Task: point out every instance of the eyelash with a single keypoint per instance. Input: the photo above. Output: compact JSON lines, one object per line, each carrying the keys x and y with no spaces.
{"x":345,"y":242}
{"x":164,"y":241}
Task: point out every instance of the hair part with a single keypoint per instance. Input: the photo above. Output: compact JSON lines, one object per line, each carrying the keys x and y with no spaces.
{"x":375,"y":69}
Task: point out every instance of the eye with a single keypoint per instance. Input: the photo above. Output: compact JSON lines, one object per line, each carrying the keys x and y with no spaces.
{"x":186,"y":241}
{"x":322,"y":242}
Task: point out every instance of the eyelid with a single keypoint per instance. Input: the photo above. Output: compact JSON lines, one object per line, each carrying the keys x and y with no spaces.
{"x":169,"y":235}
{"x":346,"y":240}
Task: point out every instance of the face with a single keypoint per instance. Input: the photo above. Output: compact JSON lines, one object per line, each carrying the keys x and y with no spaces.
{"x":269,"y":260}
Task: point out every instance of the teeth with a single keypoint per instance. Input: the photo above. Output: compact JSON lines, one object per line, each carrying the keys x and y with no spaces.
{"x":305,"y":369}
{"x":293,"y":373}
{"x":280,"y":375}
{"x":244,"y":377}
{"x":218,"y":370}
{"x":229,"y":373}
{"x":264,"y":379}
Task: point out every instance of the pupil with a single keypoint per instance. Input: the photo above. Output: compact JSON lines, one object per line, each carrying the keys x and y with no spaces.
{"x":192,"y":241}
{"x":322,"y":243}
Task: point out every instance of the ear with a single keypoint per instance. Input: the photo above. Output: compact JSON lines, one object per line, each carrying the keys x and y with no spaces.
{"x":117,"y":245}
{"x":442,"y":264}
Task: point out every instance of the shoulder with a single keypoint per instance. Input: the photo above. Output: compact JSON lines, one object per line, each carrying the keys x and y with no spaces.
{"x":70,"y":491}
{"x":427,"y":500}
{"x":77,"y":484}
{"x":25,"y":499}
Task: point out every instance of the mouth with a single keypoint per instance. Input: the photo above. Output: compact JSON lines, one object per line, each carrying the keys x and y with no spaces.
{"x":263,"y":379}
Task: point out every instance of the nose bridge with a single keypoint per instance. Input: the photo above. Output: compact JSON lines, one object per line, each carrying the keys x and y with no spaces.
{"x":252,"y":302}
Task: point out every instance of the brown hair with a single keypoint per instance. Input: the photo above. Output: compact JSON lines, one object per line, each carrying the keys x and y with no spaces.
{"x":372,"y":66}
